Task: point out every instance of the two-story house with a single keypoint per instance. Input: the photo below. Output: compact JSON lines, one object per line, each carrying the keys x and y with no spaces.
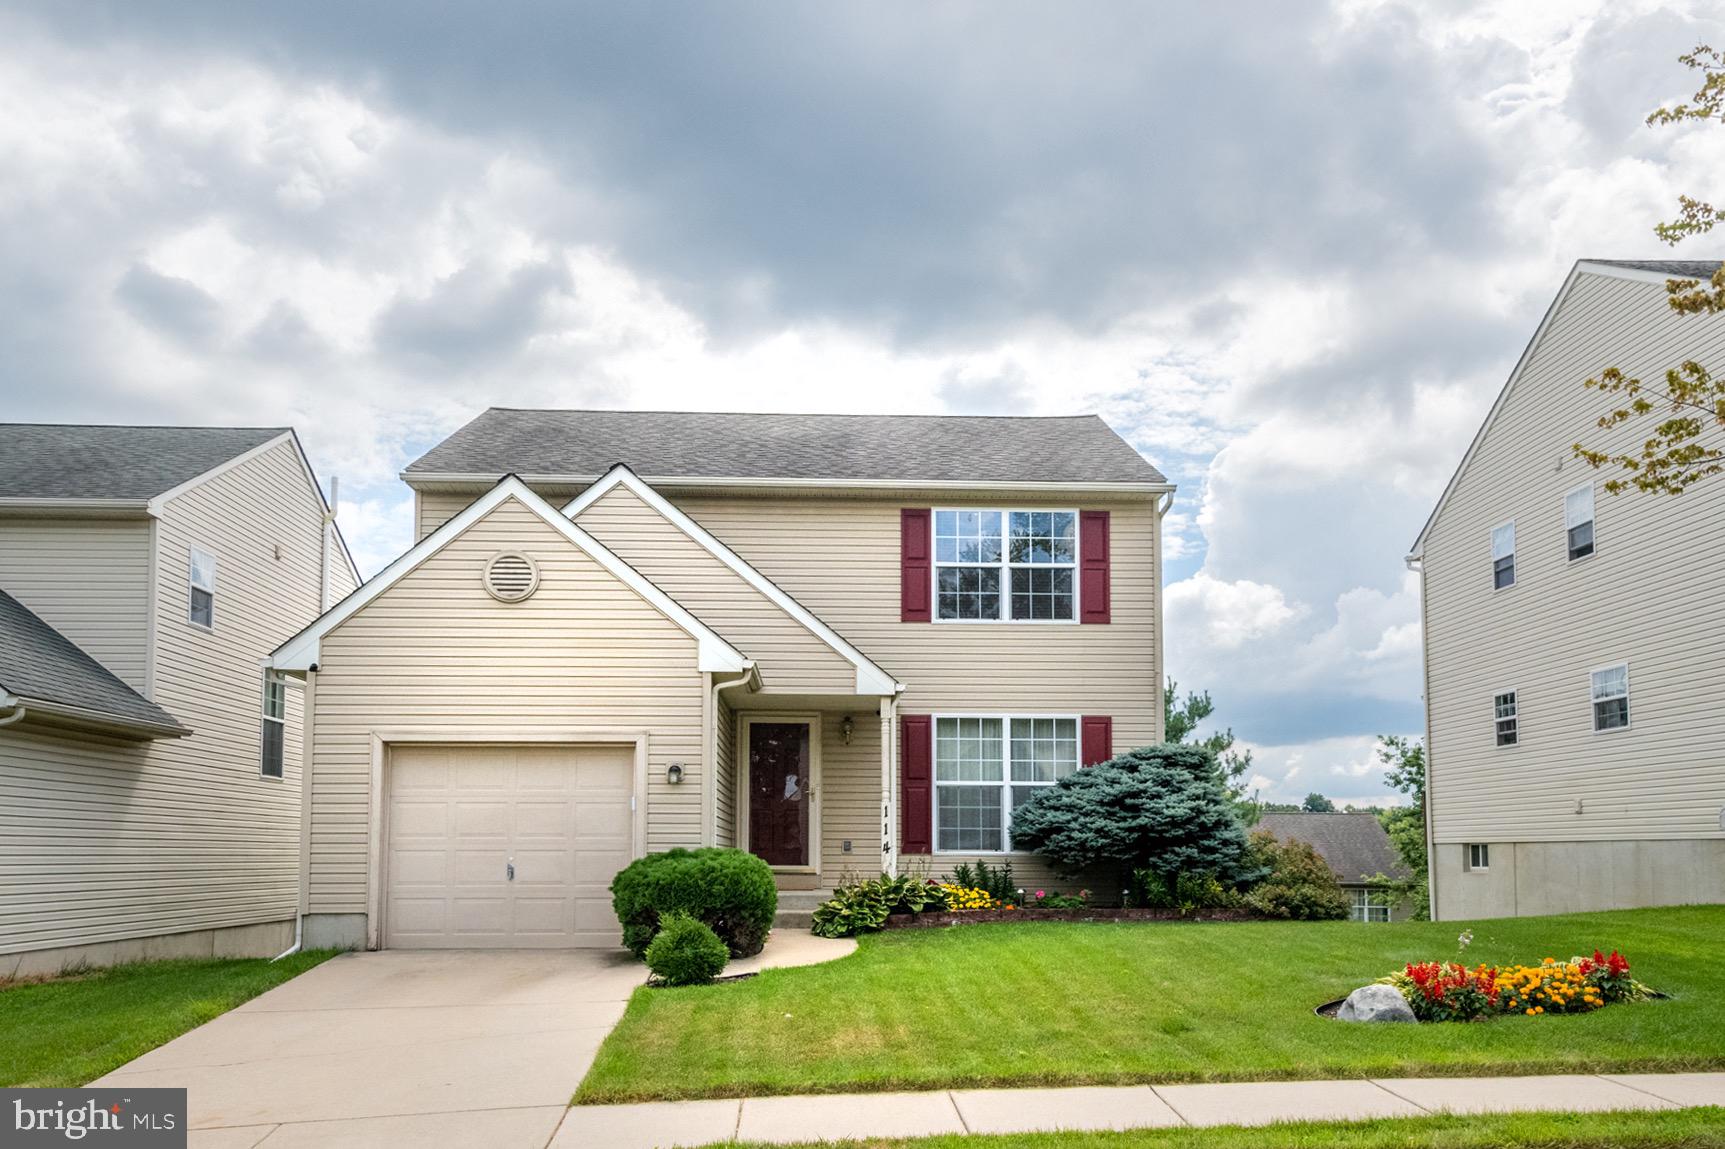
{"x":847,"y":644}
{"x":149,"y":771}
{"x":1573,"y":662}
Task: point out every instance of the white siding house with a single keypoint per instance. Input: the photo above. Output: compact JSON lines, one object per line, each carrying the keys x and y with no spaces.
{"x":1572,"y":657}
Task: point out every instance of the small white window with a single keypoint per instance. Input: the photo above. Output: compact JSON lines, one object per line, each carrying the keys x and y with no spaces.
{"x":1370,"y":906}
{"x":275,"y":726}
{"x":1504,"y":717}
{"x":1611,"y":698}
{"x":1503,"y":556}
{"x":1478,"y":857}
{"x":201,"y":609}
{"x":1578,"y":522}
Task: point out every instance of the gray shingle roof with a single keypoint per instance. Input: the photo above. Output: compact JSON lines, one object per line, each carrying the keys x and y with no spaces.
{"x":37,"y":662}
{"x":1354,"y":845}
{"x":63,"y":461}
{"x":1675,"y":268}
{"x":692,"y":444}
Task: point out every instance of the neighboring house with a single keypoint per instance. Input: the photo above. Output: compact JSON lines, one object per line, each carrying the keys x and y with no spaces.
{"x":149,"y":778}
{"x":1573,"y":662}
{"x":846,"y":643}
{"x":1357,"y":849}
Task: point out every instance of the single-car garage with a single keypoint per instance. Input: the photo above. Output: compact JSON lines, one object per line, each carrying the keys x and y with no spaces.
{"x":505,"y":847}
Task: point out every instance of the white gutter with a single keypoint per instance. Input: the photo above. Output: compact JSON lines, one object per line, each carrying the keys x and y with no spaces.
{"x":17,"y":706}
{"x":486,"y":480}
{"x":751,"y":678}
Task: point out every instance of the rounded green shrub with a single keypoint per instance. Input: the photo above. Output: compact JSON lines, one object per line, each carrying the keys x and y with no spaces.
{"x":731,"y":891}
{"x":686,"y":951}
{"x":1300,"y":886}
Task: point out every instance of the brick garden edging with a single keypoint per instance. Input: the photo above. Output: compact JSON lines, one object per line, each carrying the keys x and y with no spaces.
{"x":1089,"y":914}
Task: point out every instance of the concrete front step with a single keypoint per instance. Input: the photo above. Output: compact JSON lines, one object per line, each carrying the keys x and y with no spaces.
{"x":797,"y":908}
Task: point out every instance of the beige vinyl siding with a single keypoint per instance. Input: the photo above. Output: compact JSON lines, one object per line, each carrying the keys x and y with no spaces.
{"x":436,"y":652}
{"x":1650,"y":596}
{"x":791,"y":658}
{"x":434,"y":508}
{"x":726,"y":788}
{"x":839,"y":557}
{"x":850,"y":798}
{"x":107,"y":840}
{"x":88,"y":579}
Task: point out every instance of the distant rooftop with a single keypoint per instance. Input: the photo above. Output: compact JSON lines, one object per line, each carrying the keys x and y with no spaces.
{"x":39,"y":664}
{"x":583,"y":445}
{"x":1355,"y":845}
{"x":68,"y":461}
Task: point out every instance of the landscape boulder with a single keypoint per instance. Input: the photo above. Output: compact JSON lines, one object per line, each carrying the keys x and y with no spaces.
{"x":1375,"y":1003}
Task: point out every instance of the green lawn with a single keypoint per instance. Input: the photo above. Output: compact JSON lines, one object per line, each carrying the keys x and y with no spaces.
{"x":1043,"y":1003}
{"x":1688,"y":1128}
{"x":70,"y":1031}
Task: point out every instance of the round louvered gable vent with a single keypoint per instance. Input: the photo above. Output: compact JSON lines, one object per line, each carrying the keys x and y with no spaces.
{"x":511,"y":577}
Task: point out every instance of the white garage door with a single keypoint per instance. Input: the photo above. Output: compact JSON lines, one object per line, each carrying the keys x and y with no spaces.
{"x":506,"y":847}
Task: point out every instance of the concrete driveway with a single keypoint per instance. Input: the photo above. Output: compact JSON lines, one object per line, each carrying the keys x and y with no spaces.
{"x":398,"y":1048}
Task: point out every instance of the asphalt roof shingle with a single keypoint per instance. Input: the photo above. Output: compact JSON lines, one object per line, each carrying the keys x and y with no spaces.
{"x":1355,"y":845}
{"x":695,"y":444}
{"x":38,"y":662}
{"x":65,"y":461}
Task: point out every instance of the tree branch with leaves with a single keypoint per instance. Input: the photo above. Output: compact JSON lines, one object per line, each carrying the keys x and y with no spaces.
{"x":1687,"y":445}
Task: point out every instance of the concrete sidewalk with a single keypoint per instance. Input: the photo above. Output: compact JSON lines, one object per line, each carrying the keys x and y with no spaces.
{"x":871,"y":1115}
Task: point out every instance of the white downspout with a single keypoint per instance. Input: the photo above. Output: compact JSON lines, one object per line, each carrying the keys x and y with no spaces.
{"x":17,"y":706}
{"x":750,"y":677}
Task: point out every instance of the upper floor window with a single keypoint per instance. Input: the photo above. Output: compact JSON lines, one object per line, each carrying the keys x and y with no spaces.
{"x":985,"y":766}
{"x":1611,"y":698}
{"x":1504,"y":717}
{"x":275,"y":726}
{"x":1005,"y":566}
{"x":1503,"y":556}
{"x":201,"y":609}
{"x":1578,"y":521}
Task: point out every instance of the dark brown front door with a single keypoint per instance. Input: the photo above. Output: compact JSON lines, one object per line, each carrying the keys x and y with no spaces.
{"x":779,"y":792}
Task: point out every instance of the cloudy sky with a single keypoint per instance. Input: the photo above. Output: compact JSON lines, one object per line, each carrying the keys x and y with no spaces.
{"x":1289,"y":250}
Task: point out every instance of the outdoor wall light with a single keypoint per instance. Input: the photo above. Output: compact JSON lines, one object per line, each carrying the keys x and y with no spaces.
{"x":674,"y":773}
{"x":847,"y":728}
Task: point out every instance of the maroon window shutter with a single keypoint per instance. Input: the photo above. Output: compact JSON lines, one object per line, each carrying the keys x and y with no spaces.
{"x":1097,"y":739}
{"x":916,"y":784}
{"x":1093,"y":566}
{"x":914,"y":554}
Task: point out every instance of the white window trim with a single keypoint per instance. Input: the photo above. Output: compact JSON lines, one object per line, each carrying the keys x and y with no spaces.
{"x":1362,"y":900}
{"x":1496,"y":745}
{"x":1006,"y":567}
{"x":1629,"y":709}
{"x":193,"y":584}
{"x":1593,"y":520}
{"x":1514,"y":567}
{"x":271,"y":677}
{"x":1005,"y":784}
{"x":1468,"y":858}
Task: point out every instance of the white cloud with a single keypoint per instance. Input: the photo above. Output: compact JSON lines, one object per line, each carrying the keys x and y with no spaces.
{"x":1226,"y":615}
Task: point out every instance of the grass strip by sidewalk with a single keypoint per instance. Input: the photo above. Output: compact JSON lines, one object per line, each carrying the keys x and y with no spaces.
{"x":74,"y":1029}
{"x":1054,"y":1003}
{"x":1685,"y":1128}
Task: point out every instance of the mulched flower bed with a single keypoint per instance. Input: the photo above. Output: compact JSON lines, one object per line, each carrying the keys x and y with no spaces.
{"x":1088,"y":914}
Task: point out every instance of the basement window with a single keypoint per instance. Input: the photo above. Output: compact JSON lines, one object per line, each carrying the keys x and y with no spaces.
{"x":1478,"y":857}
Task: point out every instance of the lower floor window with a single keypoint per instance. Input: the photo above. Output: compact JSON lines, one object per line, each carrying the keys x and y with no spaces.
{"x":1370,"y":906}
{"x":984,"y":766}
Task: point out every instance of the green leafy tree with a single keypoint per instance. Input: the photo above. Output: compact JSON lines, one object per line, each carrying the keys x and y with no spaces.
{"x":1316,"y":803}
{"x":1158,"y":808}
{"x":1180,"y":720}
{"x":1687,"y":442}
{"x":1405,"y":759}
